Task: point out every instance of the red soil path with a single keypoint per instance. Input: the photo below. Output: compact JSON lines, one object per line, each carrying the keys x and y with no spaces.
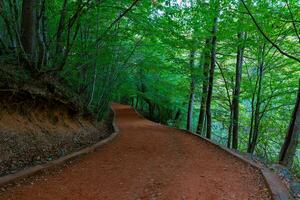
{"x":147,"y":162}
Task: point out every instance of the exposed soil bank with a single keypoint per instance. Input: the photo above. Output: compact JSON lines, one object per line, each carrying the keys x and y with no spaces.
{"x":34,"y":130}
{"x":148,"y":161}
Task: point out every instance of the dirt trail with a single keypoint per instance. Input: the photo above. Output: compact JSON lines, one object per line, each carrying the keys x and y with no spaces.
{"x":147,"y":161}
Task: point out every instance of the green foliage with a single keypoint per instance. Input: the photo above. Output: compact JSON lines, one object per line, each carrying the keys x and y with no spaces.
{"x":143,"y":59}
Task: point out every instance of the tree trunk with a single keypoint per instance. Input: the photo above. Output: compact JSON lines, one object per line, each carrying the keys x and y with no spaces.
{"x":255,"y":116}
{"x":192,"y":93}
{"x":229,"y":134}
{"x":255,"y":133}
{"x":93,"y":86}
{"x":60,"y":29}
{"x":177,"y":117}
{"x":236,"y":94}
{"x":289,"y":147}
{"x":211,"y":76}
{"x":229,"y":138}
{"x":151,"y":108}
{"x":41,"y":40}
{"x":204,"y":88}
{"x":137,"y":102}
{"x":252,"y":117}
{"x":28,"y":31}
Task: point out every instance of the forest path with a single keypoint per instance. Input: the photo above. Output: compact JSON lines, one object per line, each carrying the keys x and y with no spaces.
{"x":148,"y":161}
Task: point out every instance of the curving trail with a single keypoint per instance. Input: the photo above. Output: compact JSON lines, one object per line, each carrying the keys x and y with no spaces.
{"x":147,"y":161}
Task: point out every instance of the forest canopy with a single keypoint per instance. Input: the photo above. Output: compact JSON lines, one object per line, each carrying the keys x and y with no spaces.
{"x":227,"y":70}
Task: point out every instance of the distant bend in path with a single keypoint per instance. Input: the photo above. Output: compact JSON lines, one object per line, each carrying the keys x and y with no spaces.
{"x":147,"y":161}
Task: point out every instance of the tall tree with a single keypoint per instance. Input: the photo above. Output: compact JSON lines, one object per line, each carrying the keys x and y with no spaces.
{"x":237,"y":89}
{"x":291,"y":140}
{"x":28,"y":31}
{"x":213,"y":54}
{"x":256,"y":102}
{"x":289,"y":147}
{"x":192,"y":92}
{"x":205,"y":70}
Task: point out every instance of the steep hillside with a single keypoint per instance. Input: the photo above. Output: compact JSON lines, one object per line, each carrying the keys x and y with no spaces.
{"x":35,"y":129}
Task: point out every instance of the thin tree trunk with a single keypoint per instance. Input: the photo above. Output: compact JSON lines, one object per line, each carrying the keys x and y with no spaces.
{"x":229,"y":138}
{"x":95,"y":64}
{"x":251,"y":124}
{"x":151,"y":108}
{"x":229,"y":135}
{"x":94,"y":85}
{"x":256,"y":116}
{"x":28,"y":31}
{"x":253,"y":110}
{"x":289,"y":147}
{"x":211,"y":76}
{"x":192,"y":93}
{"x":177,"y":117}
{"x":17,"y":44}
{"x":60,"y":29}
{"x":42,"y":54}
{"x":7,"y":25}
{"x":204,"y":88}
{"x":236,"y":94}
{"x":137,"y":103}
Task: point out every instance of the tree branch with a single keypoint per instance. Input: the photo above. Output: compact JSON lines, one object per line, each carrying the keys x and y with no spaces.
{"x":293,"y":19}
{"x":117,"y":20}
{"x":266,"y":37}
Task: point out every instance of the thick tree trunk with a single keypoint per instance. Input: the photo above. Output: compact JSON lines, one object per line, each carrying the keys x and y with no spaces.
{"x":289,"y":147}
{"x":236,"y":94}
{"x":192,"y":93}
{"x":205,"y":70}
{"x":211,"y":77}
{"x":28,"y":31}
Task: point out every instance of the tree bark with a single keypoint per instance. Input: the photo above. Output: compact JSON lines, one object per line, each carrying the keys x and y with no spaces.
{"x":256,"y":103}
{"x":237,"y":89}
{"x":28,"y":31}
{"x":192,"y":93}
{"x":93,"y":86}
{"x":136,"y":106}
{"x":41,"y":40}
{"x":211,"y":76}
{"x":229,"y":137}
{"x":289,"y":147}
{"x":177,"y":117}
{"x":151,"y":109}
{"x":254,"y":135}
{"x":60,"y":29}
{"x":204,"y":88}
